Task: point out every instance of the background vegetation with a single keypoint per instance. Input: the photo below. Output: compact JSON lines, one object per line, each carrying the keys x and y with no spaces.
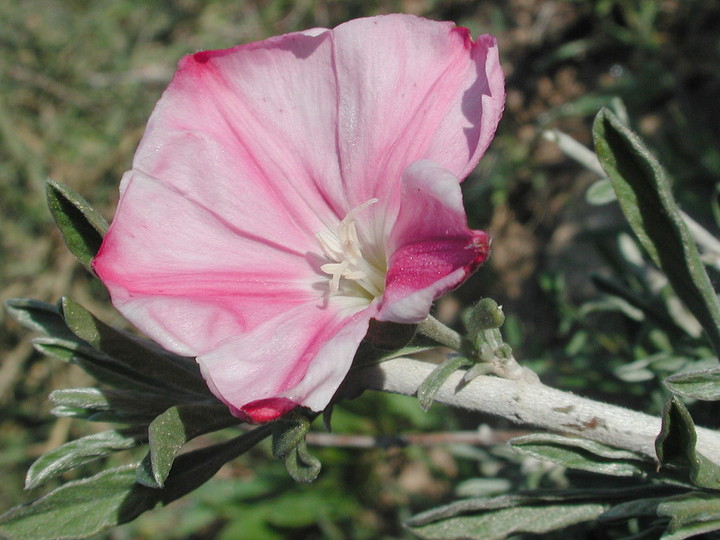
{"x":79,"y":80}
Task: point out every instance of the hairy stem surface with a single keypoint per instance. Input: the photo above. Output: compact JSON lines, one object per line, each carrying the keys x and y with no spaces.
{"x":532,"y":403}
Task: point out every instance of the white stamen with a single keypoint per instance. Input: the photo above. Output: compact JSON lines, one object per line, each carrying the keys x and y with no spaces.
{"x":343,"y":247}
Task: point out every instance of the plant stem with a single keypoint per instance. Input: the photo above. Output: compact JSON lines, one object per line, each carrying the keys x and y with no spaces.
{"x":532,"y":403}
{"x":436,"y":330}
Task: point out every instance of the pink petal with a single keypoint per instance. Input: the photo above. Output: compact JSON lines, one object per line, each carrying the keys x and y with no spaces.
{"x":410,"y":89}
{"x":298,"y":358}
{"x":189,"y":278}
{"x":270,"y":108}
{"x":431,"y":248}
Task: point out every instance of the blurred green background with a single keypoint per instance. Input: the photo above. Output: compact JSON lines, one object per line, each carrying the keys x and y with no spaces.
{"x":78,"y":80}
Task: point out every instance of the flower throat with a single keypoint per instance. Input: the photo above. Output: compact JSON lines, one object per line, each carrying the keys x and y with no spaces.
{"x":343,"y":247}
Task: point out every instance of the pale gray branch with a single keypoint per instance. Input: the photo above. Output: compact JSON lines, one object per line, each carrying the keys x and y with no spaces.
{"x":531,"y":404}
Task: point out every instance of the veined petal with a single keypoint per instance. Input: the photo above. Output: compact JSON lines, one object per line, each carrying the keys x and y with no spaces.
{"x":431,"y":248}
{"x":410,"y":89}
{"x":297,"y":358}
{"x":271,"y":105}
{"x":189,"y":278}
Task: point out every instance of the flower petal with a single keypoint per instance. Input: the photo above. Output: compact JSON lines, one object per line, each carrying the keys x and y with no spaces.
{"x":410,"y":89}
{"x":297,"y":358}
{"x":431,"y":248}
{"x":190,"y":278}
{"x":272,"y":106}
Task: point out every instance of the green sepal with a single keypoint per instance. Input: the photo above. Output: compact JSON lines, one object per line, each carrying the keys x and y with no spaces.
{"x":648,"y":204}
{"x":171,"y":430}
{"x":703,"y":384}
{"x":583,"y":454}
{"x":75,"y":453}
{"x":89,"y":506}
{"x":675,"y":446}
{"x":154,"y":366}
{"x":301,"y":464}
{"x":81,"y":226}
{"x":288,"y":432}
{"x":433,"y":382}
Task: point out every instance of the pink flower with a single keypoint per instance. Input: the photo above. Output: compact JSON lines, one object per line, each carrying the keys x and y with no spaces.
{"x":288,"y":191}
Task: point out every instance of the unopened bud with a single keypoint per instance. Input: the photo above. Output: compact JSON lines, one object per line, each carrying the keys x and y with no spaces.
{"x":486,"y":315}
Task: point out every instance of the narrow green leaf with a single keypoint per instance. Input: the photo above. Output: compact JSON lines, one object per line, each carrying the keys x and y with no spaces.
{"x":193,"y":469}
{"x":115,"y":417}
{"x":78,"y":452}
{"x":632,"y":509}
{"x":156,"y":367}
{"x":582,"y":454}
{"x":89,"y":506}
{"x":81,"y":226}
{"x":647,"y":202}
{"x":675,"y":446}
{"x":499,"y":524}
{"x":103,"y":368}
{"x":430,"y":386}
{"x":39,"y":317}
{"x":704,"y":384}
{"x":123,"y":402}
{"x":690,"y":514}
{"x":81,"y":508}
{"x":539,"y":497}
{"x":169,"y":432}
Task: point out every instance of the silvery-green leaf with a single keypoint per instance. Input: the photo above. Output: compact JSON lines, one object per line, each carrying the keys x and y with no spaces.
{"x":169,"y":432}
{"x":100,"y":366}
{"x":81,"y":508}
{"x":675,"y":446}
{"x":39,"y":317}
{"x":648,"y":204}
{"x":432,"y":383}
{"x":156,"y":367}
{"x":690,"y":514}
{"x":582,"y":454}
{"x":78,"y":452}
{"x":501,"y":523}
{"x":121,"y":402}
{"x":704,"y":384}
{"x":89,"y":506}
{"x":483,"y":487}
{"x":81,"y":226}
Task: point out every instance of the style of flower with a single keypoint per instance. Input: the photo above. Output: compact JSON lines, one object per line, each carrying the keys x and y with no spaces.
{"x":288,"y":191}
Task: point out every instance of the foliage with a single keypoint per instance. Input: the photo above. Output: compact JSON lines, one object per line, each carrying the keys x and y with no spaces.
{"x":74,"y":112}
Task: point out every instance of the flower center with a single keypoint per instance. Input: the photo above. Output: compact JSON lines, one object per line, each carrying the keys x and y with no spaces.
{"x":343,"y":248}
